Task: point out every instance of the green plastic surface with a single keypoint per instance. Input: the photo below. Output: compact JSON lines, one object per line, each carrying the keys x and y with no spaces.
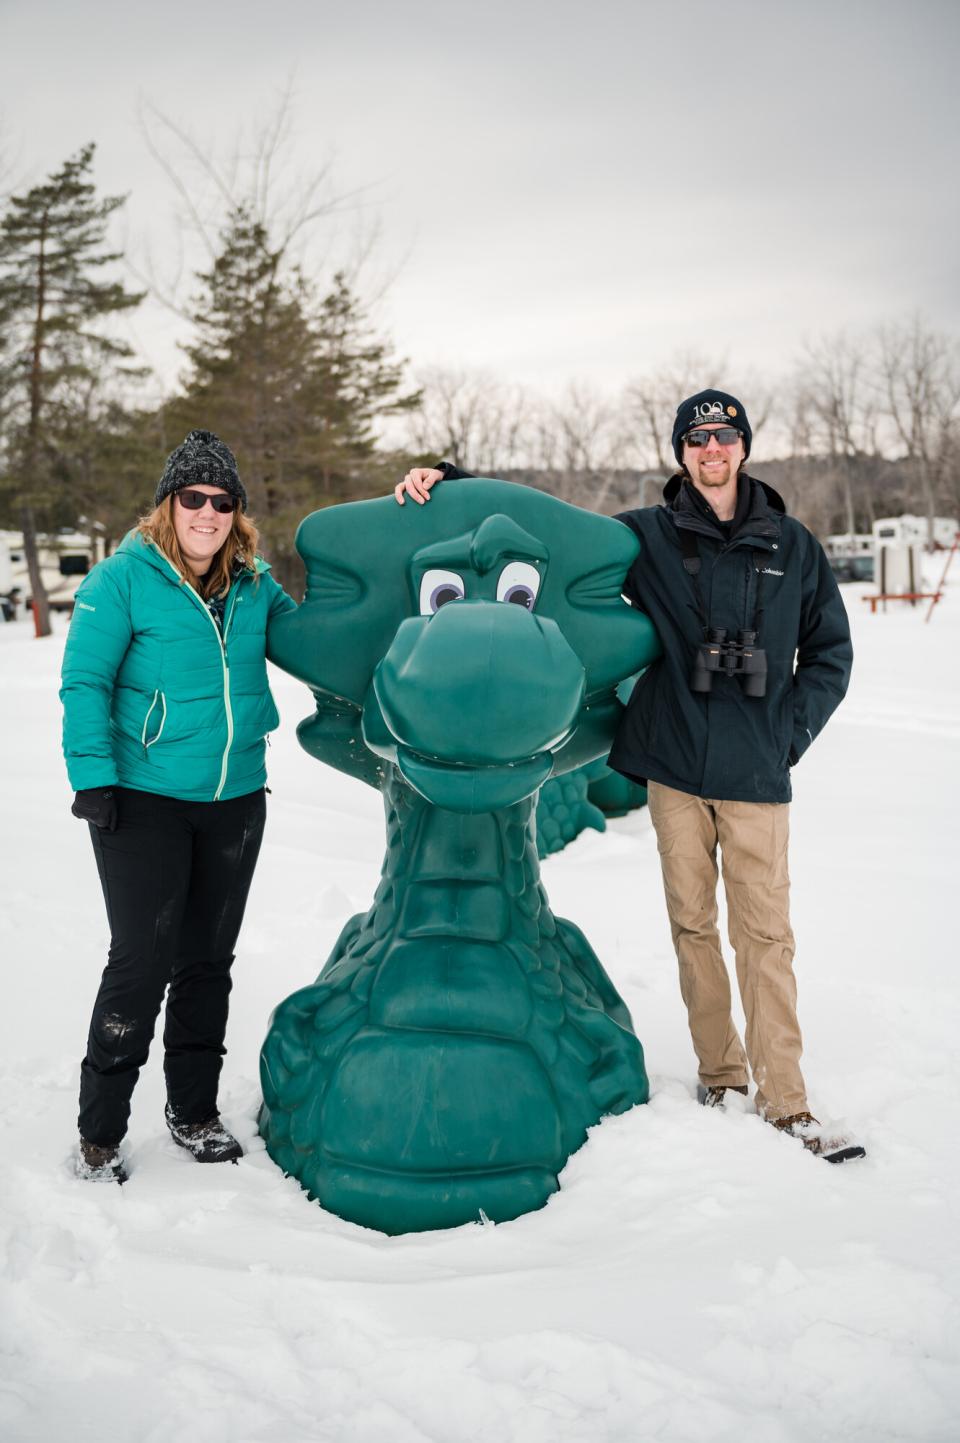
{"x":616,"y":795}
{"x":460,"y":1039}
{"x":565,"y":808}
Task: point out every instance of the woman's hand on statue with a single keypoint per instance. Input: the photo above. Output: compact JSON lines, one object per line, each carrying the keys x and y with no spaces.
{"x":417,"y":484}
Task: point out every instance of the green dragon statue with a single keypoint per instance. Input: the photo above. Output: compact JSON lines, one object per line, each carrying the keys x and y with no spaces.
{"x":460,"y":1039}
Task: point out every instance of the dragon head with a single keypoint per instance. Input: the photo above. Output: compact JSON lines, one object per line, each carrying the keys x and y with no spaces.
{"x":476,"y":642}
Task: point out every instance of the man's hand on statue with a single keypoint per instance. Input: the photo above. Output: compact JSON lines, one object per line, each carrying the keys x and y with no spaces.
{"x":417,"y":484}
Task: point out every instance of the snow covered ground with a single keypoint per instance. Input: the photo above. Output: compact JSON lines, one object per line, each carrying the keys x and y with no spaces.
{"x":699,"y":1278}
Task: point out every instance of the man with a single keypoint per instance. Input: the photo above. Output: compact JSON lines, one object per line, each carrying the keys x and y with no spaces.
{"x":756,"y":656}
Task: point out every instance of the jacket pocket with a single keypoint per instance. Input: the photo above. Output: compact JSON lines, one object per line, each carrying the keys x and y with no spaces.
{"x":154,"y":721}
{"x":642,"y":707}
{"x":273,"y":721}
{"x":786,"y":730}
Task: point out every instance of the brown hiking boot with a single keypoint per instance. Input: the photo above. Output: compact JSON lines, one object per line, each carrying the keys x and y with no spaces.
{"x":804,"y":1125}
{"x":714,"y":1096}
{"x":100,"y":1164}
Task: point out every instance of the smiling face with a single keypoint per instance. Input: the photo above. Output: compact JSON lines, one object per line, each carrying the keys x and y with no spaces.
{"x":201,"y":534}
{"x":713,"y":470}
{"x":714,"y":464}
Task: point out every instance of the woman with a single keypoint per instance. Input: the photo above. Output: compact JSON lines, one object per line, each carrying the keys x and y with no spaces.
{"x":166,"y":711}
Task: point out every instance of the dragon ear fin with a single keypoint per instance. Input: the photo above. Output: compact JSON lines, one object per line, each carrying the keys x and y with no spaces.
{"x":604,"y":584}
{"x":331,"y":584}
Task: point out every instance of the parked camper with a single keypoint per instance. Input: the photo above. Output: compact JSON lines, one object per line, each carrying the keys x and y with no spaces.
{"x":65,"y":557}
{"x":853,"y":568}
{"x":849,"y":543}
{"x":8,"y":599}
{"x":850,"y":555}
{"x":915,"y":531}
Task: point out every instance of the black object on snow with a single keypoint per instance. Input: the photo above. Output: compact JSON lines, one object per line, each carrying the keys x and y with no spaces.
{"x":207,"y":1141}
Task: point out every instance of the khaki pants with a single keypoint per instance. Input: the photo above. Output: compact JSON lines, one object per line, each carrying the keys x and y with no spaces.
{"x":752,"y":837}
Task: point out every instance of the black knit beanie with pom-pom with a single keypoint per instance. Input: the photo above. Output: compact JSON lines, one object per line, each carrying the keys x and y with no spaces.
{"x":202,"y":460}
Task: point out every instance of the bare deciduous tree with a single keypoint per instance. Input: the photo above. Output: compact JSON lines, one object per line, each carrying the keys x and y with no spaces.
{"x":829,"y":432}
{"x":254,"y":175}
{"x":833,"y":411}
{"x":581,"y":443}
{"x":471,"y":419}
{"x":919,"y":373}
{"x":651,"y":402}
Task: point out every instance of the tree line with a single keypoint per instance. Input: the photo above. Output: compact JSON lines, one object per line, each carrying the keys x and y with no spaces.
{"x":291,"y":372}
{"x":859,"y":427}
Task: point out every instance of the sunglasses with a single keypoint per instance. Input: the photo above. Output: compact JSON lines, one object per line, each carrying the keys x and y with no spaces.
{"x":196,"y":500}
{"x":723,"y":435}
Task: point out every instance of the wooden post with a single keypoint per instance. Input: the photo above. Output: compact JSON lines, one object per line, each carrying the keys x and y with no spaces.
{"x":940,"y":584}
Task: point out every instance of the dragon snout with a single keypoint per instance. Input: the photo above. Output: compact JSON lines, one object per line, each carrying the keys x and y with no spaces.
{"x":481,"y":683}
{"x":485,"y":688}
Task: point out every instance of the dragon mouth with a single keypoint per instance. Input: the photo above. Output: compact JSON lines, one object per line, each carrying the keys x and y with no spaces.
{"x":461,"y":788}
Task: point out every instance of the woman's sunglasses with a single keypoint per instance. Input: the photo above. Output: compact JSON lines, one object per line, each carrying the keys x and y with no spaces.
{"x":196,"y":500}
{"x":723,"y":435}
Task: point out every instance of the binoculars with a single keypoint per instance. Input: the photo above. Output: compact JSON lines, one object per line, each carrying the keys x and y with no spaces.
{"x":733,"y":658}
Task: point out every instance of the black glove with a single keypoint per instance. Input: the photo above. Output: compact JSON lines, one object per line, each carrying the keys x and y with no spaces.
{"x":97,"y":805}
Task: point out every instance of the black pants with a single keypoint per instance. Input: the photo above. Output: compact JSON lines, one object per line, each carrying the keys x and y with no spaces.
{"x":175,"y":879}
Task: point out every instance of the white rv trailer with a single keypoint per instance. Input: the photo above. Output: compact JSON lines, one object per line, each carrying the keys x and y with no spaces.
{"x":65,"y":558}
{"x":848,"y":544}
{"x":914,"y":531}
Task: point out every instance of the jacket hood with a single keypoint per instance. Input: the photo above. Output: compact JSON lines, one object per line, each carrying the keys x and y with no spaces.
{"x":136,"y":545}
{"x":773,"y":498}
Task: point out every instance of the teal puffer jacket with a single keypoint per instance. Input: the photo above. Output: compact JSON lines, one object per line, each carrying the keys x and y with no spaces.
{"x":153,"y":697}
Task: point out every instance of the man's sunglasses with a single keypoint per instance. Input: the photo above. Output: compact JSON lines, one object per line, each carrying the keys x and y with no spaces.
{"x":196,"y":500}
{"x":723,"y":435}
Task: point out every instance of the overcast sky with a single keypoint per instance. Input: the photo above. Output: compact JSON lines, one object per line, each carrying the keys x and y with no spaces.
{"x":562,"y":190}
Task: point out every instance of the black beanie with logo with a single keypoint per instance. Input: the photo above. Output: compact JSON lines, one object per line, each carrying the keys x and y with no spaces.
{"x":202,"y":460}
{"x":709,"y":408}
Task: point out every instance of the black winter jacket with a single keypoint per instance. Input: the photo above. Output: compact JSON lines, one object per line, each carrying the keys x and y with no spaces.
{"x":724,"y":744}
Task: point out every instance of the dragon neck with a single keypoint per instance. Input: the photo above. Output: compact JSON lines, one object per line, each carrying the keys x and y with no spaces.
{"x":470,"y":876}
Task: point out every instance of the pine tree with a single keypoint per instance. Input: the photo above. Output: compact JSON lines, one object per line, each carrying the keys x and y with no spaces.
{"x":293,"y":385}
{"x":360,"y":385}
{"x":52,"y":309}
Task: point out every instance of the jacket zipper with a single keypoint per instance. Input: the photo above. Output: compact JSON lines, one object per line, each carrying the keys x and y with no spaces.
{"x":146,"y":721}
{"x":226,"y":683}
{"x":725,"y":550}
{"x":222,"y":643}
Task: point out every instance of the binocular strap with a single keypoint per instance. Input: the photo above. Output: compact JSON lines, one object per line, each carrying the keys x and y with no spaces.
{"x":691,"y":565}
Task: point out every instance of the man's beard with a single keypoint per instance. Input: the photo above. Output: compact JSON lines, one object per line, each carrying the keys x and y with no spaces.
{"x":718,"y":477}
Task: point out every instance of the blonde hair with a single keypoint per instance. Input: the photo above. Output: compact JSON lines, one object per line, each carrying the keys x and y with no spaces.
{"x":241,"y":545}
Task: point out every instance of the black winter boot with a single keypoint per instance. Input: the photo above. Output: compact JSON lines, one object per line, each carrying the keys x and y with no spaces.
{"x":207,"y":1141}
{"x":100,"y":1164}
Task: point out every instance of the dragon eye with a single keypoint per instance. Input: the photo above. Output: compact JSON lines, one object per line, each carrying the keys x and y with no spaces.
{"x":519,"y":582}
{"x":437,"y":588}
